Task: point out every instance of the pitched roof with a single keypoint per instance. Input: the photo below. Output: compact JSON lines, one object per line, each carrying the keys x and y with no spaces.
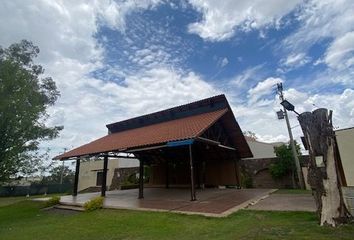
{"x":178,"y":129}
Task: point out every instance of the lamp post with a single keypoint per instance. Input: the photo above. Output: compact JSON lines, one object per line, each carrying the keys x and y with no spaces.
{"x":288,"y":106}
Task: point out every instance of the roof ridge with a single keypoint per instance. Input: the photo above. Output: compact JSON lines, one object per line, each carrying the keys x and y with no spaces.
{"x":192,"y":108}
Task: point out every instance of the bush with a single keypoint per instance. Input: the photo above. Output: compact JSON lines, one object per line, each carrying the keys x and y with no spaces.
{"x":52,"y":201}
{"x":285,"y":165}
{"x":246,"y":180}
{"x":93,"y":204}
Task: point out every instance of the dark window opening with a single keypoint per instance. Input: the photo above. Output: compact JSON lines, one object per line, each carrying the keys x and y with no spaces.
{"x":99,"y":179}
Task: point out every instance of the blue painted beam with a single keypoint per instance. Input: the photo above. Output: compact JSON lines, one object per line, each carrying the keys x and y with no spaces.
{"x":180,"y":143}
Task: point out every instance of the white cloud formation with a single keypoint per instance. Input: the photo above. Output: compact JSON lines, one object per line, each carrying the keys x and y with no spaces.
{"x":113,"y":13}
{"x":295,"y":60}
{"x":224,"y":62}
{"x":329,"y":24}
{"x":64,"y":31}
{"x":321,"y":19}
{"x":86,"y":107}
{"x":263,"y":88}
{"x":340,"y":54}
{"x":262,"y":119}
{"x":249,"y":74}
{"x":221,"y":19}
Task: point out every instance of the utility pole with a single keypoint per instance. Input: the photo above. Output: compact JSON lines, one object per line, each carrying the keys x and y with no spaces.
{"x":292,"y":143}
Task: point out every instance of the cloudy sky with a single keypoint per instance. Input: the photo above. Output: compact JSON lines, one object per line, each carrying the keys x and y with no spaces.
{"x":114,"y":60}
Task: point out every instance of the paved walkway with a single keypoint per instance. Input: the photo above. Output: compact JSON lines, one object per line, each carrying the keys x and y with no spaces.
{"x":210,"y":202}
{"x":286,"y":202}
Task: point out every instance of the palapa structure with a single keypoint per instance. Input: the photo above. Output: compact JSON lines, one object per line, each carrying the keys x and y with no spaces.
{"x":197,"y":145}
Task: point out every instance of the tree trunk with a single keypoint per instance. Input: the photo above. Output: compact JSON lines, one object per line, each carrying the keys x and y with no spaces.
{"x":324,"y":179}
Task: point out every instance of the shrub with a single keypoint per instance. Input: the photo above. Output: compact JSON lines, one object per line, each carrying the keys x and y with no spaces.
{"x":52,"y":201}
{"x":246,"y":180}
{"x":285,"y":164}
{"x":93,"y":204}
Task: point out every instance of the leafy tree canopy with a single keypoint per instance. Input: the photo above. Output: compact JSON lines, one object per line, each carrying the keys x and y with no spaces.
{"x":286,"y":163}
{"x":250,"y":134}
{"x":25,"y":97}
{"x":58,"y":173}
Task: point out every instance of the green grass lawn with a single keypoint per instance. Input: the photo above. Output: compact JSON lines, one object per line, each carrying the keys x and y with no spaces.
{"x":4,"y":201}
{"x":25,"y":220}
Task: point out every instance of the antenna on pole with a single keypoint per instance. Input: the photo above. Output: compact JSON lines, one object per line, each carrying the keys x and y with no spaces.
{"x":292,"y":143}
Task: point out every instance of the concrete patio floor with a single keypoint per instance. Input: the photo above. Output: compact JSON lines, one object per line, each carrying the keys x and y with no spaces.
{"x":286,"y":202}
{"x":210,"y":202}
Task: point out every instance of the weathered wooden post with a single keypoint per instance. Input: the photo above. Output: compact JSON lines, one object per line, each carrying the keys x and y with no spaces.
{"x":104,"y":177}
{"x":141,"y":178}
{"x":323,"y":178}
{"x":76,"y":179}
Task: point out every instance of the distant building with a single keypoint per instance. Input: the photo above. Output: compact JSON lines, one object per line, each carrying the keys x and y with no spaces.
{"x":261,"y":149}
{"x":22,"y":181}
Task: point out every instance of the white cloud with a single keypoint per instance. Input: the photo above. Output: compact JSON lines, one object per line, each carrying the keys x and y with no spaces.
{"x":261,"y":118}
{"x":295,"y":60}
{"x":86,"y":107}
{"x":249,"y":74}
{"x":224,"y":62}
{"x":113,"y":13}
{"x":340,"y":53}
{"x":263,"y":88}
{"x":221,"y":19}
{"x":322,"y":22}
{"x":321,"y":19}
{"x":64,"y":32}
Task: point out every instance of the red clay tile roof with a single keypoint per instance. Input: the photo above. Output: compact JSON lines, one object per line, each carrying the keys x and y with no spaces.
{"x":179,"y":129}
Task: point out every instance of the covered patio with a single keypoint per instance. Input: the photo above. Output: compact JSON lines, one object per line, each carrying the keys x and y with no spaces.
{"x":211,"y":202}
{"x":196,"y":145}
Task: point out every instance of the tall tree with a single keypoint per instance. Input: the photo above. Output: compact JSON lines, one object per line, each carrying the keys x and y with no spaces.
{"x":25,"y":97}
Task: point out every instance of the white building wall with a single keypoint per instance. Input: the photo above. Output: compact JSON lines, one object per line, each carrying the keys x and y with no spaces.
{"x":89,"y":169}
{"x":345,"y":140}
{"x":261,"y":149}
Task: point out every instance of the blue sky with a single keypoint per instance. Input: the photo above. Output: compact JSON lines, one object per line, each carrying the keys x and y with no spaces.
{"x":114,"y":60}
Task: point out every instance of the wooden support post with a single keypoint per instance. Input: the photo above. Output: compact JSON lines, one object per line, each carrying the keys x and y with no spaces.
{"x":141,"y":179}
{"x":193,"y":197}
{"x":104,"y":177}
{"x":76,"y":179}
{"x":167,"y":173}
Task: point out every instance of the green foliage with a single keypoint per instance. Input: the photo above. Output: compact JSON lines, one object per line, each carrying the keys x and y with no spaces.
{"x":250,"y":134}
{"x":52,"y":201}
{"x":286,"y":163}
{"x":25,"y":97}
{"x":55,"y":174}
{"x":246,"y":180}
{"x":94,"y":204}
{"x":132,"y":179}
